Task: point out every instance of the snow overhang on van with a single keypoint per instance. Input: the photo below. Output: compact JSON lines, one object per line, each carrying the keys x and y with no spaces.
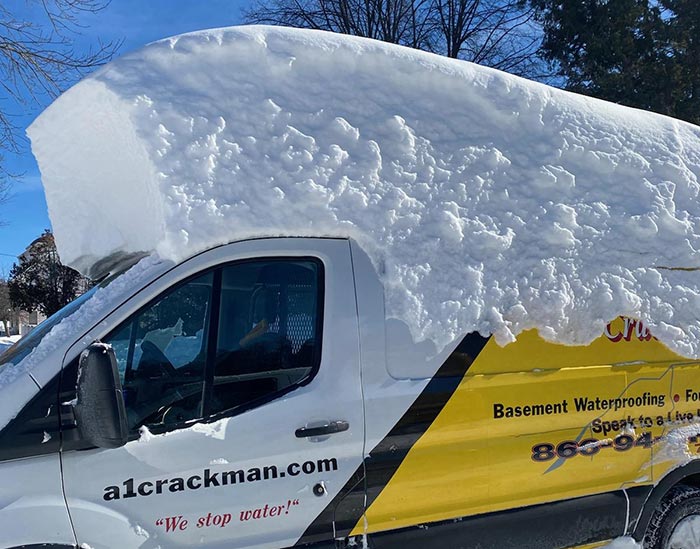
{"x":487,"y":202}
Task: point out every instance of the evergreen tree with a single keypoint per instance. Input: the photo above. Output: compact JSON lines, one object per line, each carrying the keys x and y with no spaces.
{"x":684,"y":28}
{"x":40,"y":282}
{"x":640,"y":53}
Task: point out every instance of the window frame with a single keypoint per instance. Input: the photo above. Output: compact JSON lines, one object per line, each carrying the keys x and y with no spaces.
{"x":212,"y":320}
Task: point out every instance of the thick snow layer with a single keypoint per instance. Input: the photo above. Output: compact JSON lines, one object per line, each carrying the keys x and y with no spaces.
{"x":486,"y":201}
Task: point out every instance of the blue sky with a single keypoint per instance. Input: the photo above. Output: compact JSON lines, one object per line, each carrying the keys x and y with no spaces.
{"x":137,"y":22}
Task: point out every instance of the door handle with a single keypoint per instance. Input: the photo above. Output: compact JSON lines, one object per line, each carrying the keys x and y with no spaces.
{"x":327,"y":429}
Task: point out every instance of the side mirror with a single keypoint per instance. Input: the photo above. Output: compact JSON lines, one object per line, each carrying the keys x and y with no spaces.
{"x":100,"y":410}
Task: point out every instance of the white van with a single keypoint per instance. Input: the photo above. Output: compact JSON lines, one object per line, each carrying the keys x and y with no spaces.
{"x":285,"y":390}
{"x":245,"y":398}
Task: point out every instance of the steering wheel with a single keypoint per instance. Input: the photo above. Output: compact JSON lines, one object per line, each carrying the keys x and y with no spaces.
{"x":153,"y":362}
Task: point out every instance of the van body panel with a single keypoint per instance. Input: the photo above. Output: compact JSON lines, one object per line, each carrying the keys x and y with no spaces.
{"x":32,"y":507}
{"x":549,"y":525}
{"x":275,"y":478}
{"x":19,"y":392}
{"x":536,"y":422}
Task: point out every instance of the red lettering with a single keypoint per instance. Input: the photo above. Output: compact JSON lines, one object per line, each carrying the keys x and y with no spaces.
{"x":175,"y":523}
{"x":643,"y":333}
{"x":631,"y":328}
{"x":225,"y":519}
{"x":613,"y":338}
{"x":267,"y":511}
{"x":216,"y":520}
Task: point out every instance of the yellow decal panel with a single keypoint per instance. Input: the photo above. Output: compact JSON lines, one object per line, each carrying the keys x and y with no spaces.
{"x":535,"y":422}
{"x":624,"y":341}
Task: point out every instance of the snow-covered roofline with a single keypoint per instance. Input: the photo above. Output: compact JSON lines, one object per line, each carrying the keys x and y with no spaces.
{"x":487,"y":201}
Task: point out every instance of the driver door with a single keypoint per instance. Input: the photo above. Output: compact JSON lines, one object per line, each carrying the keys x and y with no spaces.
{"x":242,"y":390}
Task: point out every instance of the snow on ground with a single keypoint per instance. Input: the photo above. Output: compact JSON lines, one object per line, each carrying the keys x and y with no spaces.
{"x":486,"y":201}
{"x":7,"y":341}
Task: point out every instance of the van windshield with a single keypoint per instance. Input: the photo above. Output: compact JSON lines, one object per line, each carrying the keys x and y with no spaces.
{"x":27,"y":344}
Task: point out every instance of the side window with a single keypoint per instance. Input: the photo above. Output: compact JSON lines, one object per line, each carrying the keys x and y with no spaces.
{"x":161,"y":352}
{"x":224,"y":341}
{"x":268,"y":331}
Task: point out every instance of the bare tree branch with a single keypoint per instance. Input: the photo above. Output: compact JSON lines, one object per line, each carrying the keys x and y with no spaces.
{"x":38,"y":59}
{"x":498,"y":33}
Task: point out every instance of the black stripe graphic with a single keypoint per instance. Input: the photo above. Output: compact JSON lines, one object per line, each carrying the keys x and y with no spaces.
{"x":347,"y":506}
{"x":565,"y":523}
